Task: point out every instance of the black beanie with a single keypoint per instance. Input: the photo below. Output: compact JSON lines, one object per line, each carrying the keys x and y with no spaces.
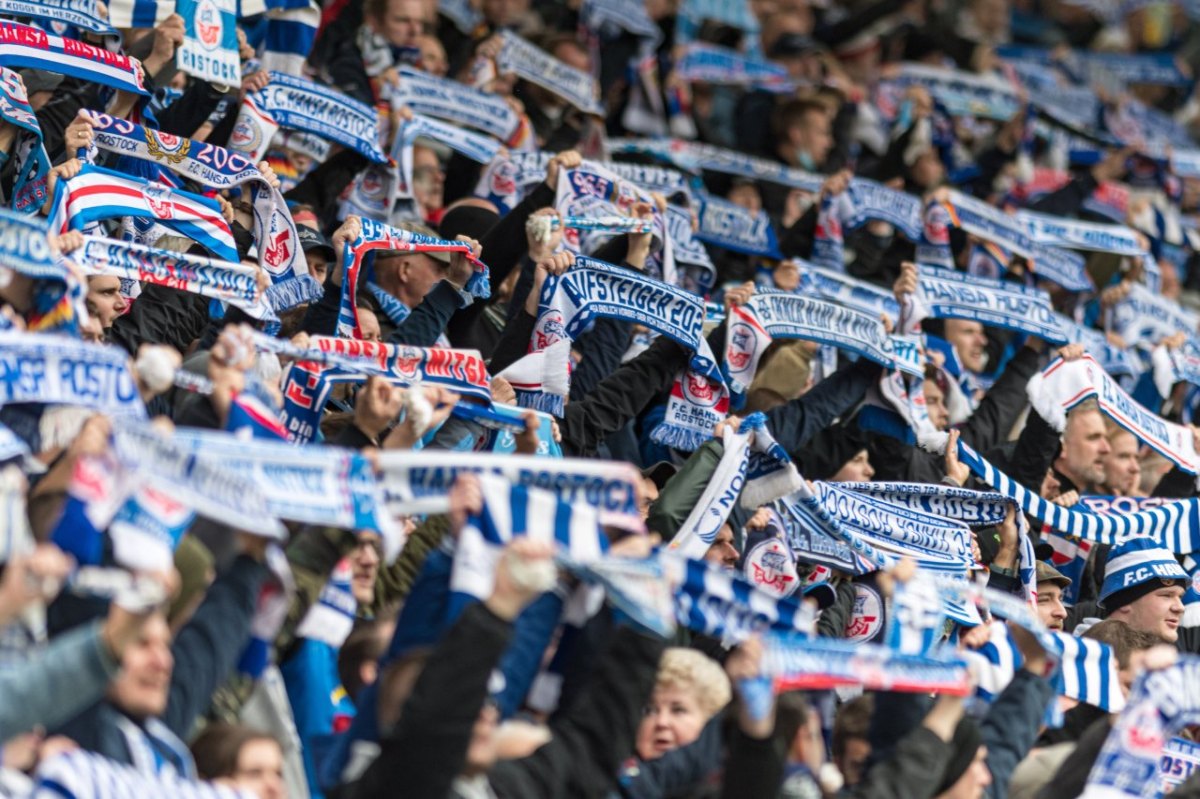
{"x":1127,"y":596}
{"x":829,"y":450}
{"x":467,"y":220}
{"x":966,"y":743}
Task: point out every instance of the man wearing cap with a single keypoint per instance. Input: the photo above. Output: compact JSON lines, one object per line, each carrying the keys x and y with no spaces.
{"x":1143,"y":587}
{"x":1050,"y":586}
{"x":318,"y":252}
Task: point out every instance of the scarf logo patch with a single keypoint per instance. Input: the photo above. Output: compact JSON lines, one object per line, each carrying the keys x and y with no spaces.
{"x":167,"y":146}
{"x":698,"y":390}
{"x":208,"y":24}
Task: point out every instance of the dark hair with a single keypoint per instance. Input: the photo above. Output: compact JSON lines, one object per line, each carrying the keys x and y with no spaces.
{"x":216,"y":749}
{"x":791,"y":714}
{"x":1124,"y":639}
{"x":793,"y":113}
{"x":396,"y":684}
{"x":363,"y":645}
{"x":853,"y":720}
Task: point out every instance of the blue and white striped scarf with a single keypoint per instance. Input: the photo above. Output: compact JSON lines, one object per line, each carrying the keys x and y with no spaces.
{"x":96,"y":194}
{"x":138,"y":13}
{"x":947,"y":294}
{"x":59,"y":370}
{"x":1064,"y":384}
{"x":301,"y":104}
{"x":226,"y":282}
{"x":210,"y":46}
{"x":973,"y":508}
{"x":1176,"y":525}
{"x":1113,"y":360}
{"x":510,"y":176}
{"x":1142,"y":316}
{"x":962,"y":93}
{"x":516,"y":510}
{"x":1160,"y":704}
{"x":79,"y":774}
{"x":1076,"y":234}
{"x":331,"y":618}
{"x":419,"y":482}
{"x":24,"y":46}
{"x":846,"y":290}
{"x":314,"y":485}
{"x":218,"y":168}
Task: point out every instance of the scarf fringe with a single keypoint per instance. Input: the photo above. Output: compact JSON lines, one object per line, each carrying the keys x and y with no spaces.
{"x":290,"y":293}
{"x":676,"y":437}
{"x":542,"y":401}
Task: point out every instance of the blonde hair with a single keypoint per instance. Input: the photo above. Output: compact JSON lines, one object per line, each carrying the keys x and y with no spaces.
{"x":692,"y":671}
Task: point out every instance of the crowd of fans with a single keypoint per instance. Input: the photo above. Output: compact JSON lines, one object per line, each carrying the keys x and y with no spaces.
{"x":301,"y":659}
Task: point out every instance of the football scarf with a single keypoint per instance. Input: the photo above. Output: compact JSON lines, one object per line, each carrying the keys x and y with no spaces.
{"x":510,"y":176}
{"x":535,"y":65}
{"x":1177,"y":365}
{"x":300,"y":104}
{"x":698,"y":401}
{"x":198,"y":482}
{"x":1078,"y":235}
{"x":693,"y":156}
{"x":709,"y":63}
{"x":962,"y":93}
{"x":993,"y":225}
{"x":379,"y":236}
{"x":1160,"y":704}
{"x":732,"y":227}
{"x":226,"y":282}
{"x":1114,"y":360}
{"x":218,"y":168}
{"x":96,"y":194}
{"x":315,"y":485}
{"x":517,"y":510}
{"x":138,"y":13}
{"x":419,"y":482}
{"x":57,"y":370}
{"x":79,"y":774}
{"x":845,"y":290}
{"x":973,"y":508}
{"x":331,"y":618}
{"x":795,"y":663}
{"x":27,"y":47}
{"x":1064,"y":384}
{"x":455,"y":102}
{"x":210,"y":45}
{"x":29,"y":190}
{"x":1175,"y":525}
{"x":25,"y":248}
{"x":947,"y":294}
{"x":1142,"y":316}
{"x":76,"y":13}
{"x":541,"y":373}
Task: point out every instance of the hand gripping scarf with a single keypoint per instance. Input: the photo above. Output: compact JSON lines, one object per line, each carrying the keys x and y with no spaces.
{"x":1064,"y":384}
{"x":379,"y":236}
{"x":24,"y":46}
{"x":227,"y":282}
{"x":96,"y":194}
{"x":217,"y":168}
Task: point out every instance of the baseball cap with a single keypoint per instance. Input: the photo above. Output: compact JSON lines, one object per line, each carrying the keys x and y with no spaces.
{"x":1135,"y":568}
{"x":659,"y":473}
{"x":312,"y":239}
{"x":425,"y":230}
{"x":1048,"y":574}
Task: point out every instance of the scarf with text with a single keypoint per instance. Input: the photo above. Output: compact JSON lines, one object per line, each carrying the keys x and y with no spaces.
{"x":315,"y":485}
{"x":795,"y":663}
{"x":96,"y":194}
{"x":947,"y":294}
{"x":76,"y":13}
{"x":198,"y":482}
{"x":27,"y":47}
{"x":25,"y":247}
{"x":379,"y":236}
{"x":454,"y":102}
{"x":1079,"y":235}
{"x":52,"y":369}
{"x":709,"y":63}
{"x":541,"y":374}
{"x":732,"y":227}
{"x":227,"y":282}
{"x":993,"y":225}
{"x":218,"y":168}
{"x":419,"y":482}
{"x":531,"y":63}
{"x":1064,"y":384}
{"x":301,"y":104}
{"x":1142,"y":316}
{"x":693,"y":156}
{"x":1160,"y":704}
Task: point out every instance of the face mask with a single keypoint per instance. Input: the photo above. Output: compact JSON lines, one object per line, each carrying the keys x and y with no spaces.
{"x":805,"y":160}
